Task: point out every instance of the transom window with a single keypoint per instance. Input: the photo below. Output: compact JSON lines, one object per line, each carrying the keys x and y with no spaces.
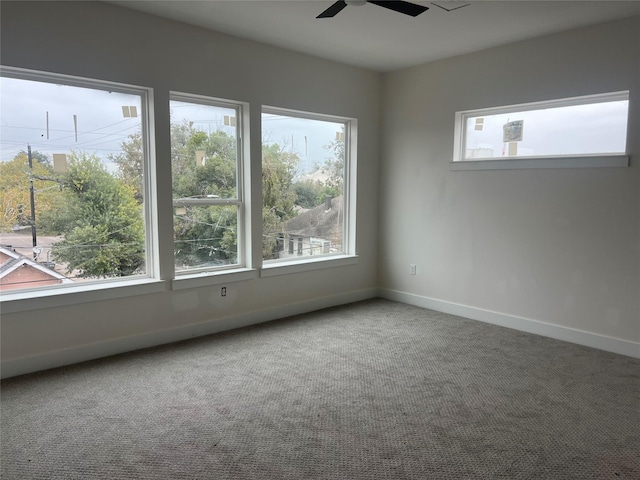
{"x":588,"y":126}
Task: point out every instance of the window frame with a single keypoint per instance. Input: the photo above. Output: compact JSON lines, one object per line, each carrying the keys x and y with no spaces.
{"x":348,"y":256}
{"x":242,"y":270}
{"x":604,"y":159}
{"x":159,"y":276}
{"x":103,"y":288}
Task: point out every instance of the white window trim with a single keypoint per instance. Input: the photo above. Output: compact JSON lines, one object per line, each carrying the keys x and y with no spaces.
{"x":208,"y":278}
{"x":299,"y":266}
{"x":539,"y":161}
{"x":111,"y":288}
{"x":348,"y":256}
{"x":60,"y":296}
{"x":203,"y":276}
{"x":595,"y":161}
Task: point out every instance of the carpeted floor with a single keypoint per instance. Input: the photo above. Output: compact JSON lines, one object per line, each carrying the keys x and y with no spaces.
{"x":372,"y":390}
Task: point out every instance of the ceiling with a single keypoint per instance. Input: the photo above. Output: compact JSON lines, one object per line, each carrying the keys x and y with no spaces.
{"x":380,"y":39}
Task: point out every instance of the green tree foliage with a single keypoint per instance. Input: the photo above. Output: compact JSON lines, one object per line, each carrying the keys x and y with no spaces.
{"x":206,"y":235}
{"x":334,"y":168}
{"x":204,"y":166}
{"x":14,"y":189}
{"x":130,"y":163}
{"x":100,"y":219}
{"x":308,"y":193}
{"x":311,"y":193}
{"x":214,"y":174}
{"x":37,"y":156}
{"x":278,"y":195}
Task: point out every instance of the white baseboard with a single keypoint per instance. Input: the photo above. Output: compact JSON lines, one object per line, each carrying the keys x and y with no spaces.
{"x":59,"y":358}
{"x":588,"y":339}
{"x":30,"y":364}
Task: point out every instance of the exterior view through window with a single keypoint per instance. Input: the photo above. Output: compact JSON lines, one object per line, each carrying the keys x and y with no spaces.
{"x":303,"y":185}
{"x":206,"y":188}
{"x":581,"y":126}
{"x":72,"y":176}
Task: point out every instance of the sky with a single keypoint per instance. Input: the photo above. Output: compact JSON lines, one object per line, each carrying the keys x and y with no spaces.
{"x":99,"y":120}
{"x":567,"y":130}
{"x":308,"y":138}
{"x":42,"y":115}
{"x":57,"y":119}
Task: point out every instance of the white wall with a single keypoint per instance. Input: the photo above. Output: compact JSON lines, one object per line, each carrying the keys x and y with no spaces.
{"x":555,"y":246}
{"x":106,"y":42}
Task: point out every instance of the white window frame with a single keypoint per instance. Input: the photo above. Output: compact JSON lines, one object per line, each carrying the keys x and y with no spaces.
{"x":110,"y":288}
{"x":604,"y":159}
{"x":330,"y":260}
{"x":242,"y":270}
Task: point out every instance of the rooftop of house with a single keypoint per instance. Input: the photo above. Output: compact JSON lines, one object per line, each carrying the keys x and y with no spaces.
{"x":319,"y":221}
{"x":11,"y":261}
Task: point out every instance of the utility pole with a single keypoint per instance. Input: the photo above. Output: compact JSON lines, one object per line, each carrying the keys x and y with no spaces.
{"x":33,"y":204}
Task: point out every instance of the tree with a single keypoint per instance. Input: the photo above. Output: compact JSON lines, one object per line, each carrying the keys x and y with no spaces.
{"x":212,"y":174}
{"x":14,"y":188}
{"x":130,"y":163}
{"x":204,"y":166}
{"x":308,"y":192}
{"x":334,"y":168}
{"x":100,"y":219}
{"x":311,"y":193}
{"x":278,"y":195}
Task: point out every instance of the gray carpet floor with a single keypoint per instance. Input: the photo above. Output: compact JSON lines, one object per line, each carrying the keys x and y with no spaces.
{"x":371,"y":390}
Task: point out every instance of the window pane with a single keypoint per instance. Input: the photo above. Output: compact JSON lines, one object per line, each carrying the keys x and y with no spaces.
{"x":303,"y":173}
{"x":72,"y":174}
{"x":205,"y":236}
{"x":204,"y":150}
{"x":597,"y":127}
{"x":204,"y":159}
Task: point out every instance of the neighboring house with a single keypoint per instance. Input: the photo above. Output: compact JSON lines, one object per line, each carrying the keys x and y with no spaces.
{"x":17,"y":270}
{"x":316,"y":231}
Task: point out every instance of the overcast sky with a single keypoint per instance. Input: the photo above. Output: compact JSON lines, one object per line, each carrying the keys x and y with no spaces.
{"x":578,"y":129}
{"x":101,"y":126}
{"x":42,"y":115}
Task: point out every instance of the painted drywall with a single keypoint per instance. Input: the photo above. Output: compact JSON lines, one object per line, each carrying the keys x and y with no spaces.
{"x":560,"y":246}
{"x":107,"y":42}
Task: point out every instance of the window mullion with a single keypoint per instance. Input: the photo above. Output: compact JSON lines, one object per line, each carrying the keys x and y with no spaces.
{"x":185,"y":202}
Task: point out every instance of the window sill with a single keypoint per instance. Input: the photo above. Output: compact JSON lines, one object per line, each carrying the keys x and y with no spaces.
{"x":298,"y":266}
{"x":205,"y":279}
{"x":543,"y":162}
{"x":60,"y":297}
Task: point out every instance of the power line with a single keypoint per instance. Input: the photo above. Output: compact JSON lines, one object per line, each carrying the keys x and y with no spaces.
{"x":72,"y":131}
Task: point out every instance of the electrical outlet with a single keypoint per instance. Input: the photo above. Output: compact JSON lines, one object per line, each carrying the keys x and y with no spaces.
{"x":412,"y":269}
{"x":223,"y":292}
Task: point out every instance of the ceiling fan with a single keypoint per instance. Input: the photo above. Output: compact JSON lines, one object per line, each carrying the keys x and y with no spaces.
{"x":398,"y":6}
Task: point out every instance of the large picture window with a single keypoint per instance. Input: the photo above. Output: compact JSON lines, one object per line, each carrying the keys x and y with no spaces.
{"x":79,"y":191}
{"x":73,"y":175}
{"x":580,"y":127}
{"x":206,"y":168}
{"x":305,"y":185}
